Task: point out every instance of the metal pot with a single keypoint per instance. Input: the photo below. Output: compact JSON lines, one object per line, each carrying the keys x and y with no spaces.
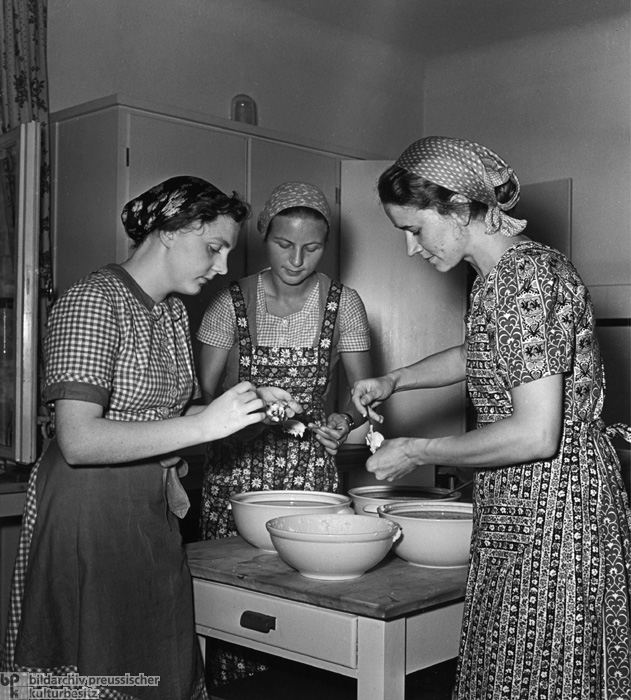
{"x":366,"y":499}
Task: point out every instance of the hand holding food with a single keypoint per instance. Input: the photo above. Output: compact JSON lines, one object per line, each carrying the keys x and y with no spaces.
{"x":237,"y":408}
{"x":394,"y":459}
{"x":280,"y":404}
{"x":276,"y":412}
{"x":367,"y":394}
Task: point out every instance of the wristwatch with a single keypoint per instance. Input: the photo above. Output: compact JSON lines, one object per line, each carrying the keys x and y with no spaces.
{"x":349,"y":420}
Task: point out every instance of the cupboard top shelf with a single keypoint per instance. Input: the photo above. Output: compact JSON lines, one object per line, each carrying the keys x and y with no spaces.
{"x":133,"y":103}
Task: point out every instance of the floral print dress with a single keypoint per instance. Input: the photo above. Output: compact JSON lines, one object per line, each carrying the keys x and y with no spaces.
{"x":548,"y":596}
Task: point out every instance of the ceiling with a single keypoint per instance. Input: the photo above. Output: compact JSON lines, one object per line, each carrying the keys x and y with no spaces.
{"x":433,"y":27}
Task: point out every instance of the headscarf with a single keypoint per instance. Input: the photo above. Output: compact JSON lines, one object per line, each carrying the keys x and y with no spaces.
{"x":468,"y":169}
{"x":156,"y":206}
{"x":292,"y":194}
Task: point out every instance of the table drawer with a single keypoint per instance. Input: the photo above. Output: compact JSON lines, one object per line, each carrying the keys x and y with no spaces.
{"x":297,"y":627}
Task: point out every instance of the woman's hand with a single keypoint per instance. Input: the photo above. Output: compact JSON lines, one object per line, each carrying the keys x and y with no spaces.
{"x":333,"y":434}
{"x":531,"y":432}
{"x":85,"y":436}
{"x":396,"y":458}
{"x":367,"y":394}
{"x":237,"y":408}
{"x":274,"y":395}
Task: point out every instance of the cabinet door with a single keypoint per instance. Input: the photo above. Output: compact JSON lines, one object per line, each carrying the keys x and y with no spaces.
{"x":274,"y":163}
{"x":163,"y":147}
{"x":87,"y":163}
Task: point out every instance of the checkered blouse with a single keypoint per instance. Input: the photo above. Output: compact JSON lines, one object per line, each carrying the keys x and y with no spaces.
{"x":301,"y":329}
{"x":109,"y":343}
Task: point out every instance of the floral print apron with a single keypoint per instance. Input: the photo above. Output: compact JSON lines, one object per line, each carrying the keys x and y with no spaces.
{"x":274,"y":459}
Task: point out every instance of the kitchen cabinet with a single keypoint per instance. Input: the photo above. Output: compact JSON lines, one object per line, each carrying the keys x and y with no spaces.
{"x":107,"y":151}
{"x":274,"y":163}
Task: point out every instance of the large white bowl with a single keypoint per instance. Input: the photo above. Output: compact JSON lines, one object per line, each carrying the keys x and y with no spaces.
{"x":434,"y":535}
{"x":366,"y":499}
{"x":332,"y":547}
{"x":253,"y":509}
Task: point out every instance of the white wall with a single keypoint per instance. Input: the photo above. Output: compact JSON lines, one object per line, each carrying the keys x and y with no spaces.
{"x":559,"y":106}
{"x":307,"y":79}
{"x":555,"y":106}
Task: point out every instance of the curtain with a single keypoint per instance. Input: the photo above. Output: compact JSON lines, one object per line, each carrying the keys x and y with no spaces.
{"x":24,"y":98}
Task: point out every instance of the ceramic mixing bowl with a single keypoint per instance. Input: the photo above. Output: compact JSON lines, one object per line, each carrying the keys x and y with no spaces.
{"x":253,"y":509}
{"x":332,"y":547}
{"x":366,"y":499}
{"x":436,"y":535}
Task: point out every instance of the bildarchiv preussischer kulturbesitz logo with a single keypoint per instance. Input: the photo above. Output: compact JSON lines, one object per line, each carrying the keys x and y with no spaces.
{"x":16,"y":685}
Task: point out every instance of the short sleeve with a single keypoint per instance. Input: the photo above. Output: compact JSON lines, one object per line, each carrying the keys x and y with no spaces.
{"x":218,"y":326}
{"x":534,"y":315}
{"x":353,"y":323}
{"x":81,"y":346}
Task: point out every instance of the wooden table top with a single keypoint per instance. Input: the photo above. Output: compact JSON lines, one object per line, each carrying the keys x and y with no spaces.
{"x":392,"y":589}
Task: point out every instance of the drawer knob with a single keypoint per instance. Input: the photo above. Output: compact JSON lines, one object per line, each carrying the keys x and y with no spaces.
{"x":257,"y":621}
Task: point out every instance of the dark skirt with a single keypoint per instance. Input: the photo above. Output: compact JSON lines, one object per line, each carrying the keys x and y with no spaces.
{"x":106,"y":589}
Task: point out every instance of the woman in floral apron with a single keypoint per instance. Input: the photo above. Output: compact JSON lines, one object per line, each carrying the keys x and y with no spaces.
{"x":548,"y":594}
{"x":285,"y":327}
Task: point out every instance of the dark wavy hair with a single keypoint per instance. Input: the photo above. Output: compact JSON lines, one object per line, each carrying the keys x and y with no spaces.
{"x":207,"y":208}
{"x":178,"y":203}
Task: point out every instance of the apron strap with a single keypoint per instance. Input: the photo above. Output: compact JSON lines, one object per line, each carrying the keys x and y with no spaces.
{"x":243,"y":332}
{"x":329,"y":329}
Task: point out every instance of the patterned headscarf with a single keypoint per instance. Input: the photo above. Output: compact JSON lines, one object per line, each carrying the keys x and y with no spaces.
{"x":157,"y":205}
{"x":470,"y":170}
{"x":292,"y":194}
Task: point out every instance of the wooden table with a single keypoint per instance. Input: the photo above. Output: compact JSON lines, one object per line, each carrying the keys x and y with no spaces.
{"x":396,"y":619}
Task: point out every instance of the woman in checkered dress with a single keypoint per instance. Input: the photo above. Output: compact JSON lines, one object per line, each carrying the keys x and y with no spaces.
{"x":548,"y":601}
{"x":101,"y":586}
{"x":286,"y":326}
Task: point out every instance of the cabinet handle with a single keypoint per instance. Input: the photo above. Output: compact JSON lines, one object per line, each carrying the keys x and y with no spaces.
{"x":257,"y":621}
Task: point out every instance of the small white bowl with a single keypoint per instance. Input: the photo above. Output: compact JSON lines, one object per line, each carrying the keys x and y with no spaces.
{"x":433,"y":535}
{"x":332,"y":547}
{"x":252,"y":509}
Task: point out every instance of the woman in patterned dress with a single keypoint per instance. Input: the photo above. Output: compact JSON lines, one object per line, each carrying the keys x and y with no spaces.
{"x":101,"y":586}
{"x":548,"y":593}
{"x":286,"y":326}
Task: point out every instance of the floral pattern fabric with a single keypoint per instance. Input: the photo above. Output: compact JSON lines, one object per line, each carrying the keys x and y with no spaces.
{"x":273,"y":460}
{"x":548,"y":596}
